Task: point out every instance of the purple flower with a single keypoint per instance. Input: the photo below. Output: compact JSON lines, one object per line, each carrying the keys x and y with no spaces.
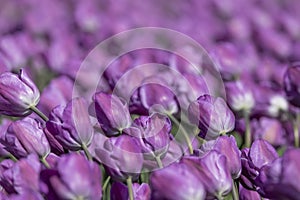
{"x":227,"y":146}
{"x":24,"y":137}
{"x":177,"y":181}
{"x":119,"y":191}
{"x":71,"y":125}
{"x":17,"y":94}
{"x":21,"y":176}
{"x":260,"y":154}
{"x":3,"y":128}
{"x":246,"y":194}
{"x":213,"y":173}
{"x":280,"y":179}
{"x":153,"y":134}
{"x":112,"y":113}
{"x":122,"y":157}
{"x":212,"y":116}
{"x":74,"y":178}
{"x":292,"y":85}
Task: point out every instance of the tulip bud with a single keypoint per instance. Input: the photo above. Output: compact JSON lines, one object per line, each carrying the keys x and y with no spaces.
{"x":112,"y":113}
{"x":24,"y":137}
{"x":212,"y":116}
{"x":227,"y":146}
{"x":292,"y":85}
{"x":17,"y":94}
{"x":121,"y":156}
{"x":81,"y":180}
{"x":71,"y":125}
{"x":119,"y":191}
{"x":177,"y":181}
{"x":152,"y":133}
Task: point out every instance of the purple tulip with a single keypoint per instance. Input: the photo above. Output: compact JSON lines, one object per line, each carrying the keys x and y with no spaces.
{"x":213,"y":173}
{"x":3,"y":128}
{"x":122,"y":157}
{"x":71,"y":125}
{"x":260,"y":154}
{"x":177,"y":181}
{"x":24,"y":137}
{"x":212,"y":116}
{"x":119,"y":191}
{"x":112,"y":113}
{"x":153,"y":134}
{"x":227,"y":146}
{"x":292,"y":84}
{"x":280,"y":179}
{"x":28,"y":194}
{"x":245,"y":194}
{"x":17,"y":94}
{"x":21,"y":176}
{"x":240,"y":97}
{"x":75,"y":177}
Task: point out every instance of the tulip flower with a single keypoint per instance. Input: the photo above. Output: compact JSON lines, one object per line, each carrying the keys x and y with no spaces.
{"x":18,"y":94}
{"x":112,"y":113}
{"x":119,"y":191}
{"x":292,"y":84}
{"x":24,"y":137}
{"x":212,"y":116}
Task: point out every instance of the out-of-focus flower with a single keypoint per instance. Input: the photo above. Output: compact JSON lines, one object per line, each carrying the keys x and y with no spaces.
{"x":71,"y":125}
{"x":279,"y":180}
{"x":292,"y":85}
{"x":112,"y":113}
{"x":227,"y":146}
{"x":213,"y":173}
{"x":260,"y":154}
{"x":119,"y":191}
{"x":121,"y":156}
{"x":212,"y":116}
{"x":153,"y":134}
{"x":177,"y":181}
{"x":17,"y":94}
{"x":25,"y":137}
{"x":74,"y":178}
{"x":20,"y":176}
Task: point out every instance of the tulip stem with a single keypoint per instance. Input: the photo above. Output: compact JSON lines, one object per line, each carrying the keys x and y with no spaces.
{"x":235,"y":192}
{"x":12,"y":157}
{"x":39,"y":113}
{"x":248,"y":130}
{"x":105,"y":184}
{"x":159,"y":163}
{"x":296,"y":130}
{"x":185,"y":134}
{"x":44,"y":161}
{"x":86,"y":151}
{"x":129,"y":185}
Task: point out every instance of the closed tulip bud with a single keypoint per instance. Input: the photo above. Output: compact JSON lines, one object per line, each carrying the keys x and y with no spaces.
{"x":152,"y":133}
{"x":71,"y":125}
{"x":227,"y":146}
{"x":21,"y":176}
{"x":74,"y":178}
{"x":212,"y":115}
{"x":119,"y":191}
{"x":292,"y":85}
{"x":213,"y":173}
{"x":24,"y":137}
{"x":177,"y":181}
{"x":112,"y":113}
{"x":121,"y":156}
{"x":17,"y":94}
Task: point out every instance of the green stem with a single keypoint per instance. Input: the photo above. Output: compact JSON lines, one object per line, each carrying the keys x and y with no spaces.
{"x":296,"y":130}
{"x":158,"y":161}
{"x":145,"y":177}
{"x":185,"y":134}
{"x":248,"y":130}
{"x":129,"y":185}
{"x":235,"y":192}
{"x":44,"y":161}
{"x":86,"y":151}
{"x":104,"y":187}
{"x":39,"y":113}
{"x":12,"y":157}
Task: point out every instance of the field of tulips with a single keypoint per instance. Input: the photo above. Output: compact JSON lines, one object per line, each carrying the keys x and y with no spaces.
{"x":149,"y":100}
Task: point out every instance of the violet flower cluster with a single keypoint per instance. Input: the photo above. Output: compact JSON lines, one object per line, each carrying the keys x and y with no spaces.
{"x":153,"y":126}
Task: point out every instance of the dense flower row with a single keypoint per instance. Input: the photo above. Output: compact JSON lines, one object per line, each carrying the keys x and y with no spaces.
{"x":160,"y":133}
